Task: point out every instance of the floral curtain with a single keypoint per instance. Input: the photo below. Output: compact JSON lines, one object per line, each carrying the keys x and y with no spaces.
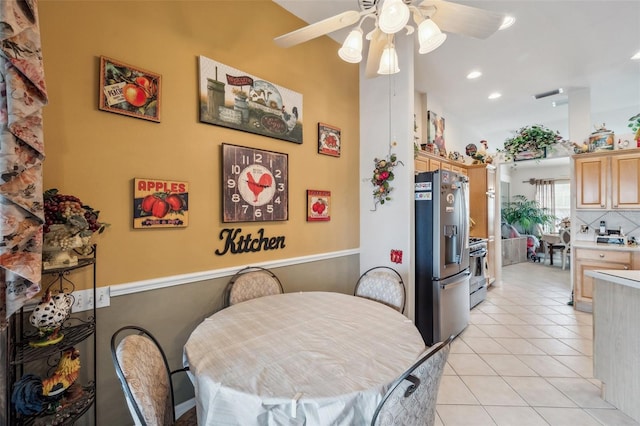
{"x":22,"y":96}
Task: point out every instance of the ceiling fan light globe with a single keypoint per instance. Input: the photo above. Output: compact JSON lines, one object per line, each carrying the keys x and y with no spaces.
{"x":433,"y":44}
{"x":389,"y":61}
{"x":351,"y":50}
{"x":394,"y":16}
{"x":429,"y":36}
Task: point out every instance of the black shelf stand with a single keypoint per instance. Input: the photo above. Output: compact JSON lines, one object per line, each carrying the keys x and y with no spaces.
{"x":76,"y":329}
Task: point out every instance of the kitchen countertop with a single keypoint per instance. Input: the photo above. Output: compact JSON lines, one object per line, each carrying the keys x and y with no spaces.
{"x":622,"y":277}
{"x":593,"y":245}
{"x":616,"y":297}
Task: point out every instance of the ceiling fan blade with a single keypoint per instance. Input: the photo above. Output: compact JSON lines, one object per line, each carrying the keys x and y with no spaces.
{"x":319,"y":28}
{"x":376,"y":46}
{"x":461,"y":19}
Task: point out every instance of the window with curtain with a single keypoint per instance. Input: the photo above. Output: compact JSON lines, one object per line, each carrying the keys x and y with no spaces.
{"x":554,"y":195}
{"x":563,"y":199}
{"x":546,"y":198}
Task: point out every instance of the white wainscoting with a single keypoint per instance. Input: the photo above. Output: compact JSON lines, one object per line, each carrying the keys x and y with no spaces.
{"x":170,"y":281}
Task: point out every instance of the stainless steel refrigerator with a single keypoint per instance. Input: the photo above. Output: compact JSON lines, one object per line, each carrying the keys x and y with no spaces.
{"x":441,"y":254}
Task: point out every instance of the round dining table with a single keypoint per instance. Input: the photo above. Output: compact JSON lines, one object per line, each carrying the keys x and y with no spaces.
{"x":309,"y":358}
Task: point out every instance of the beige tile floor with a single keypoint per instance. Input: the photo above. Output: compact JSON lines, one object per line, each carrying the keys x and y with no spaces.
{"x":525,"y":358}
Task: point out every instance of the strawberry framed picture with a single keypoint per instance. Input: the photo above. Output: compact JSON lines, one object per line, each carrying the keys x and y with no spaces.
{"x":318,"y":205}
{"x":329,"y":140}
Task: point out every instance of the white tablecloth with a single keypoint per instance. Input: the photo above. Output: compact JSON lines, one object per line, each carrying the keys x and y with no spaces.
{"x":551,"y":238}
{"x":312,"y":358}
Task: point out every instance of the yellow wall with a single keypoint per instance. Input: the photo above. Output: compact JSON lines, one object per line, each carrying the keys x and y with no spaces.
{"x":95,"y":154}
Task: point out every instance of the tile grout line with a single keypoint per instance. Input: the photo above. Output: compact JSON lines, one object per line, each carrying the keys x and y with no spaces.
{"x":526,"y":309}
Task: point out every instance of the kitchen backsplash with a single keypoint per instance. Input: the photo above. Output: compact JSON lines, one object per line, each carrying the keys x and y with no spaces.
{"x":629,"y":221}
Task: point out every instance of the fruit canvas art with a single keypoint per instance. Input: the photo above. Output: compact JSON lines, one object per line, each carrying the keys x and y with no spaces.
{"x":233,"y":98}
{"x":160,"y":203}
{"x":318,"y":205}
{"x":129,"y":90}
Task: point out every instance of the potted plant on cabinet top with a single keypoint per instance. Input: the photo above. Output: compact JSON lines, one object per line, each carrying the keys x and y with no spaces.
{"x":526,"y":214}
{"x":530,"y":142}
{"x":634,"y":124}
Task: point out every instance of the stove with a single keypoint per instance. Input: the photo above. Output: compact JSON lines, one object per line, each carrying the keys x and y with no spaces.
{"x":475,"y":240}
{"x":478,"y":269}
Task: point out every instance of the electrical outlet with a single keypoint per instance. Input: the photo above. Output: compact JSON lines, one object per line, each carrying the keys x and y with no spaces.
{"x":103,"y":297}
{"x":584,"y":229}
{"x":83,"y":299}
{"x":80,"y":298}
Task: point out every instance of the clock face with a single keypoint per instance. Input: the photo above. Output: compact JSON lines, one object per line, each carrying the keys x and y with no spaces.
{"x":254,"y":184}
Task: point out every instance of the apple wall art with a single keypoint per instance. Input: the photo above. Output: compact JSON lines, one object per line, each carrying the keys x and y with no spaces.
{"x":128,"y":90}
{"x":318,"y":205}
{"x":160,"y":203}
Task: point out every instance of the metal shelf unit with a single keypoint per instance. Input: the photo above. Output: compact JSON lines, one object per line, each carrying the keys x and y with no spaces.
{"x":76,"y":329}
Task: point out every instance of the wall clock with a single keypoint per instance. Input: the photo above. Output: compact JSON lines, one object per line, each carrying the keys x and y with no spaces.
{"x":254,"y":185}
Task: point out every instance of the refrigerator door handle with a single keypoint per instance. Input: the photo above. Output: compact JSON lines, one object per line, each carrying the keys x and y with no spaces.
{"x":465,"y":221}
{"x":450,"y":286}
{"x":453,"y":280}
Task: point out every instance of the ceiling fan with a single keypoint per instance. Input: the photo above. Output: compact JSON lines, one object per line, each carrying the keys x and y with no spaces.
{"x":391,"y":16}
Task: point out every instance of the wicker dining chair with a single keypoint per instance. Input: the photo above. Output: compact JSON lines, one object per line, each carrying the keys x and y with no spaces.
{"x":249,"y":283}
{"x":143,"y":371}
{"x":382,"y":284}
{"x":411,"y":398}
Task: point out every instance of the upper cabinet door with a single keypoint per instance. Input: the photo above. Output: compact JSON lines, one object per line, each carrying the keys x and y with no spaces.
{"x":625,"y":181}
{"x":591,"y":182}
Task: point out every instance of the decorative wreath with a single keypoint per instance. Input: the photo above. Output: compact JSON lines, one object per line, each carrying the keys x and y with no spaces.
{"x":382,"y":175}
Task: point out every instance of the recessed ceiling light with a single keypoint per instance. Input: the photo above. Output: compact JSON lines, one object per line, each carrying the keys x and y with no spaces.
{"x":507,"y":22}
{"x":474,"y":74}
{"x":495,"y":95}
{"x":636,"y":57}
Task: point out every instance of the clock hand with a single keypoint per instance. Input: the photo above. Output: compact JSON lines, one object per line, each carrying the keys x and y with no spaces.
{"x":261,"y":185}
{"x":257,"y":187}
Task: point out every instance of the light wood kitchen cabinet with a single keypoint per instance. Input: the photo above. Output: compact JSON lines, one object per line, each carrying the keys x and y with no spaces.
{"x":426,"y":162}
{"x":625,"y":181}
{"x":608,"y":181}
{"x":445,"y":165}
{"x":587,"y":259}
{"x":421,"y":164}
{"x":482,"y":200}
{"x":434,"y":164}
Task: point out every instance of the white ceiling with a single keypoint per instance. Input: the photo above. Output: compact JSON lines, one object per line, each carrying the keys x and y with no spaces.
{"x":568,"y":44}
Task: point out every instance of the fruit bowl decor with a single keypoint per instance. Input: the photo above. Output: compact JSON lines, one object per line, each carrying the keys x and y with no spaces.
{"x":69,"y":227}
{"x":530,"y":142}
{"x":382,"y":175}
